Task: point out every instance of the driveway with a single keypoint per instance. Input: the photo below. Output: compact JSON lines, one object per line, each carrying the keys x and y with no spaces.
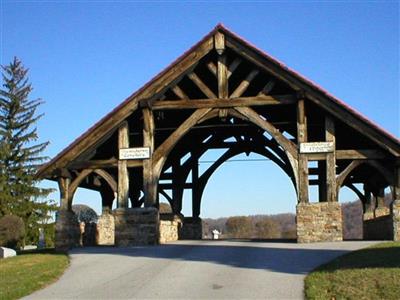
{"x":193,"y":270}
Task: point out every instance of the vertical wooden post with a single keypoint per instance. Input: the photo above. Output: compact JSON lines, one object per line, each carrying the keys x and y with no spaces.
{"x":63,"y":185}
{"x":322,"y":191}
{"x":222,"y":72}
{"x":303,"y":160}
{"x":149,"y":182}
{"x":195,"y":189}
{"x":123,"y":177}
{"x":331,"y":193}
{"x":176,"y":195}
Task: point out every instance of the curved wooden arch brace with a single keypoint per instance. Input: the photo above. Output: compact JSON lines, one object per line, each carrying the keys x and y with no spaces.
{"x":168,"y":197}
{"x":161,"y":154}
{"x":82,"y":175}
{"x":77,"y":181}
{"x":108,"y":178}
{"x":356,"y":163}
{"x":289,"y":147}
{"x":359,"y":194}
{"x":343,"y":175}
{"x":233,"y":152}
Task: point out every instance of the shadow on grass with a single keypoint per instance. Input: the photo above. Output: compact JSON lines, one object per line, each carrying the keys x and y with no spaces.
{"x":384,"y":256}
{"x":41,"y":251}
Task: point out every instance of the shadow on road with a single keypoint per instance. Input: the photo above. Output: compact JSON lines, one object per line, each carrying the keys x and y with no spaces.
{"x":292,"y":260}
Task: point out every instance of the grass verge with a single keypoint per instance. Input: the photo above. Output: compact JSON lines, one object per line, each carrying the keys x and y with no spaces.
{"x":23,"y":274}
{"x":370,"y":273}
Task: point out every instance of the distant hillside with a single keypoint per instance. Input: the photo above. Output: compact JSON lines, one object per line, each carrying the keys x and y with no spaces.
{"x":282,"y":225}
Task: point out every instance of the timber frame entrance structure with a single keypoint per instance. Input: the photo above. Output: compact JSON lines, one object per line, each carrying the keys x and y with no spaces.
{"x":224,"y":93}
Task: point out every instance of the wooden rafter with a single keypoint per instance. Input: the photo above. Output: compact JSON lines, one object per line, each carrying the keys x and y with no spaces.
{"x":244,"y":84}
{"x":201,"y":85}
{"x":233,"y":66}
{"x":267,"y":88}
{"x":179,"y":92}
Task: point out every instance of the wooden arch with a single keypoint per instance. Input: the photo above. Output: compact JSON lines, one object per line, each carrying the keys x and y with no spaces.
{"x":85,"y":173}
{"x":201,"y":115}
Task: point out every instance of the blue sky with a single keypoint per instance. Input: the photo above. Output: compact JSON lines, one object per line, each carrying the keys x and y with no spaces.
{"x":85,"y":57}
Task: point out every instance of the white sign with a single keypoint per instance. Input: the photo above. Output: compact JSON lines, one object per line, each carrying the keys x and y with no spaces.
{"x":134,"y":153}
{"x":320,"y":147}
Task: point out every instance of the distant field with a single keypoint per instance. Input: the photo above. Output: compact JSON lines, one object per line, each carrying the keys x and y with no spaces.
{"x":26,"y":273}
{"x":370,"y":273}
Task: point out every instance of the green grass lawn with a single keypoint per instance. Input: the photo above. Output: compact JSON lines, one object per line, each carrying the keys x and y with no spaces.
{"x":370,"y":273}
{"x":26,"y":273}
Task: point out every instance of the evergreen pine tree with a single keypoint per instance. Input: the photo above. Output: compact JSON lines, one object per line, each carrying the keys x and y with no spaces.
{"x":20,"y":154}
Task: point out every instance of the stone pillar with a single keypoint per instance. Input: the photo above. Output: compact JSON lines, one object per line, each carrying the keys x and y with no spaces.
{"x":396,"y":219}
{"x":67,"y":231}
{"x":192,"y":229}
{"x":105,"y":230}
{"x":319,"y":222}
{"x":170,"y":225}
{"x":136,"y":226}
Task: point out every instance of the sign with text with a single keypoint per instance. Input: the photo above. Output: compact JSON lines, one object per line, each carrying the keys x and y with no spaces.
{"x":319,"y":147}
{"x":134,"y":153}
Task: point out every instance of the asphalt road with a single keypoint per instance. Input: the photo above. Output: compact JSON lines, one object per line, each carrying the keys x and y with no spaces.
{"x":193,"y":270}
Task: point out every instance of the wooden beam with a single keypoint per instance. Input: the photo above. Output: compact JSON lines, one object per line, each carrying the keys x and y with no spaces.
{"x":224,"y":103}
{"x":123,"y":177}
{"x":219,"y":42}
{"x":223,"y":92}
{"x":330,"y":161}
{"x":212,"y":68}
{"x":267,"y":88}
{"x":244,"y":84}
{"x":179,"y":92}
{"x":149,"y":180}
{"x":103,"y":164}
{"x":360,"y":154}
{"x":222,"y":78}
{"x":343,"y":175}
{"x":233,"y":66}
{"x":302,"y":189}
{"x":201,"y":85}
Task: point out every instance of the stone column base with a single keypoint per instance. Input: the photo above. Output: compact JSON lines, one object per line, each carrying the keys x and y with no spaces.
{"x":136,"y":226}
{"x":169,"y":228}
{"x":319,"y":222}
{"x":192,"y":229}
{"x":105,"y":230}
{"x":396,"y":219}
{"x":67,"y":231}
